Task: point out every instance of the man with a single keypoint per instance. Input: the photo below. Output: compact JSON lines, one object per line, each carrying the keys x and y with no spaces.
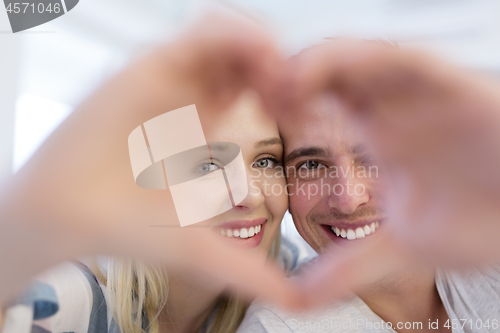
{"x":336,"y":192}
{"x":46,"y":214}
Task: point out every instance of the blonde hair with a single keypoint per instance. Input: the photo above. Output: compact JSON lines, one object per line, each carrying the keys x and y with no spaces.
{"x":138,"y":291}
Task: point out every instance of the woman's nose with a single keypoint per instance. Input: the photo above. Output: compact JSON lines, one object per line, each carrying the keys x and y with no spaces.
{"x":255,"y":196}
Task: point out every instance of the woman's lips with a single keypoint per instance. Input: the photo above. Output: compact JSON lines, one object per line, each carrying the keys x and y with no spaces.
{"x":238,"y":224}
{"x":247,"y":233}
{"x":241,"y":232}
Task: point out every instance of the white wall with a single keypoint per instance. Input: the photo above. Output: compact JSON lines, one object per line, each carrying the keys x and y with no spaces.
{"x":64,"y":60}
{"x":9,"y":78}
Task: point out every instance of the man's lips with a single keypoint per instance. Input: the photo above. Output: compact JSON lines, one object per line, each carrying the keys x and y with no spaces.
{"x":351,"y":224}
{"x":352,"y":230}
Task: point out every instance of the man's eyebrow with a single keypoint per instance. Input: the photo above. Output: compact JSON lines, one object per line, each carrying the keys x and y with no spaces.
{"x":358,"y":148}
{"x":268,"y":142}
{"x":306,"y":151}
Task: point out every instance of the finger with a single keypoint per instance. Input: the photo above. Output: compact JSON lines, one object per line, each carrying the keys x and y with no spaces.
{"x":339,"y":272}
{"x":247,"y":273}
{"x":206,"y":253}
{"x":227,"y":52}
{"x":357,"y":71}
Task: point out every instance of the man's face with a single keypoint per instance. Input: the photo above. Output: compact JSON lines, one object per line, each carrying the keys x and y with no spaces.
{"x":335,"y":193}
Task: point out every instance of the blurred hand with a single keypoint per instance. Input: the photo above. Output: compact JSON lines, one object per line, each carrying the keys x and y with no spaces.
{"x":77,"y":195}
{"x":436,"y":130}
{"x":340,"y":271}
{"x":434,"y":127}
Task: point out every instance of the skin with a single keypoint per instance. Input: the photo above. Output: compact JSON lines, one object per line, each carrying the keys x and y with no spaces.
{"x":434,"y":128}
{"x":316,"y":142}
{"x":428,"y":123}
{"x":432,"y":125}
{"x":191,"y":295}
{"x":334,"y":146}
{"x":49,"y":215}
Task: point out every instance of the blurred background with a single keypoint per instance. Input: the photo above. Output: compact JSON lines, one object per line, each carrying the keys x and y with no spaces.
{"x":46,"y":71}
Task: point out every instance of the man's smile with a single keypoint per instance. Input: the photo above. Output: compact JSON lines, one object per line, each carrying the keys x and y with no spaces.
{"x":352,"y":230}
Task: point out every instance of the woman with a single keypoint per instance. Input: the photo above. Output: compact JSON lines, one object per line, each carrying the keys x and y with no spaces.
{"x":194,"y":301}
{"x":76,"y":196}
{"x":147,"y":298}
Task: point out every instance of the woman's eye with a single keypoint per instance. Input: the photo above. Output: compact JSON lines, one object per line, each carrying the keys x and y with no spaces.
{"x":208,"y":167}
{"x":265,"y":163}
{"x":311,"y":165}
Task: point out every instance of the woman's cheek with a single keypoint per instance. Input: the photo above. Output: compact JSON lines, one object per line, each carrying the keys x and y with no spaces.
{"x":276,"y":196}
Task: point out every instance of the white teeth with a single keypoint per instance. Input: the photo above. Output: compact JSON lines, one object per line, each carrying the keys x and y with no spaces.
{"x":350,"y":234}
{"x":336,"y":231}
{"x":367,"y":230}
{"x":359,"y":232}
{"x":241,"y":233}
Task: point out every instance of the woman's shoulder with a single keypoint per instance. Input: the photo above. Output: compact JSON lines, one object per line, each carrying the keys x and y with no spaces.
{"x":66,"y":298}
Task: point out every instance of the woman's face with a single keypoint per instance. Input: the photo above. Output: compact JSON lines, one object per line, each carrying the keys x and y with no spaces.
{"x":254,"y":222}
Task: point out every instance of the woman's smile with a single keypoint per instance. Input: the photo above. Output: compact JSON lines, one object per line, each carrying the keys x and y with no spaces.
{"x":244,"y":233}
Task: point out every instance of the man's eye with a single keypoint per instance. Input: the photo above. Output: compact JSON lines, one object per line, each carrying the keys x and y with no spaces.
{"x":208,"y":167}
{"x":367,"y":159}
{"x":264,"y":163}
{"x":311,"y":165}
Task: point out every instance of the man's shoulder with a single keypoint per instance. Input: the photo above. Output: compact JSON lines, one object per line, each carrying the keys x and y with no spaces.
{"x":351,"y":315}
{"x":471,"y":294}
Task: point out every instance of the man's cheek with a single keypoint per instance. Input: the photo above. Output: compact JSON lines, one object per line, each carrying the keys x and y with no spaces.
{"x":302,"y":203}
{"x":311,"y":191}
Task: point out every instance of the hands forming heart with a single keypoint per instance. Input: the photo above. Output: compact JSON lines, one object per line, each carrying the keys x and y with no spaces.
{"x":434,"y":127}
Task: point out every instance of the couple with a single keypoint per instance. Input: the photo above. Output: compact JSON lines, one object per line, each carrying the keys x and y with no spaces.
{"x":335,"y":196}
{"x":343,"y":210}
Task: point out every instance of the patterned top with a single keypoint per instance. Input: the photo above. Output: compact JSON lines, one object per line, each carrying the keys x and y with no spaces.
{"x":66,"y":299}
{"x":70,"y":299}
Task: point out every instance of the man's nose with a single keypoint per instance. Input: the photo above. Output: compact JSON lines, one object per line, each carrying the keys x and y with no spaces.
{"x":348,"y":191}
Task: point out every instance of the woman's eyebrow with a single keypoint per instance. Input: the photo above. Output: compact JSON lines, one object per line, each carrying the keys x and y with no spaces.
{"x":219,"y":146}
{"x":306,"y":151}
{"x":269,"y":142}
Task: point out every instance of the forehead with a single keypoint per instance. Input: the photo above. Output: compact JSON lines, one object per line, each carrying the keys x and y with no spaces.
{"x":321,"y":124}
{"x":244,"y":123}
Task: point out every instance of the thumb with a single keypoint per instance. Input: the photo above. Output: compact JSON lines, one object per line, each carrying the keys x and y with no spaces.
{"x":341,"y":271}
